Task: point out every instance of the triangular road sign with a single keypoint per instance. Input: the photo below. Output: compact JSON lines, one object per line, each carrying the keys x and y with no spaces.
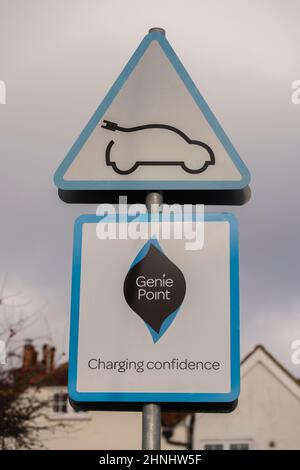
{"x":153,"y":131}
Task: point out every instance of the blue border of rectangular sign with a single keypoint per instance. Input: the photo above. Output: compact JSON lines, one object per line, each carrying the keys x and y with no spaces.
{"x":156,"y":184}
{"x":101,"y":397}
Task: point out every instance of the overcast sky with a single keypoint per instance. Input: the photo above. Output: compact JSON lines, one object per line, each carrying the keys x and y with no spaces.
{"x":59,"y":58}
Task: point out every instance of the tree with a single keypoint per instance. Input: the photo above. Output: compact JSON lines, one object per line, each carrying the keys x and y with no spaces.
{"x":23,"y":411}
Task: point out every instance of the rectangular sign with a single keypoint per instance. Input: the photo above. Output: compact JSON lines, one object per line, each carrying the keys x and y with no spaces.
{"x":153,"y":321}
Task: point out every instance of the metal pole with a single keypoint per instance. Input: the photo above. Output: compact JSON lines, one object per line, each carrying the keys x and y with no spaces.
{"x":157,"y":29}
{"x":151,"y":426}
{"x":153,"y":202}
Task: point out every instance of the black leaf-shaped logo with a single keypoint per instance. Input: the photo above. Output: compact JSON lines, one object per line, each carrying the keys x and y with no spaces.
{"x":154,"y":288}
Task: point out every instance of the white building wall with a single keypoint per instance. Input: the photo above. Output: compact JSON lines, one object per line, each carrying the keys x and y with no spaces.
{"x":267,"y":416}
{"x":267,"y":412}
{"x":97,"y":430}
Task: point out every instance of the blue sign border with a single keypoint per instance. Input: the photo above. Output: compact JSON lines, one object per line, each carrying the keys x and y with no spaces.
{"x":127,"y":397}
{"x":148,"y":185}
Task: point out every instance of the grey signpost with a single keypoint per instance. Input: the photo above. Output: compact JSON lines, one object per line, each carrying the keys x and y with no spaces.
{"x":151,"y":433}
{"x":151,"y":424}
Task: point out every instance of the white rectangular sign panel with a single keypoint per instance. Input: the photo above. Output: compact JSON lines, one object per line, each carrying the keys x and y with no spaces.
{"x":152,"y":321}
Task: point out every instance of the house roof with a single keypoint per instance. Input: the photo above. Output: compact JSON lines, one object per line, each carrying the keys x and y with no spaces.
{"x":58,"y":377}
{"x":260,"y":347}
{"x":260,"y":355}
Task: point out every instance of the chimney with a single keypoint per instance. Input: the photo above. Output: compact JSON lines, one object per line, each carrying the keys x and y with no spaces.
{"x":52,"y":357}
{"x":48,"y":358}
{"x":29,"y":355}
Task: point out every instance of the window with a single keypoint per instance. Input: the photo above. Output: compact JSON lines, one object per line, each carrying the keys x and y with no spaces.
{"x":60,"y":403}
{"x":240,"y":446}
{"x":62,"y":410}
{"x":213,"y":447}
{"x":227,"y":445}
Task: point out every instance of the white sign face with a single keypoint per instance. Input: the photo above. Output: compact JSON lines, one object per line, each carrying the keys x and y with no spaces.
{"x":153,"y":130}
{"x":152,"y":321}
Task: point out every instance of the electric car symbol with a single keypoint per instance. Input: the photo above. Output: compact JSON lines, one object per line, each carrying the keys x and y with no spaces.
{"x":201,"y":166}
